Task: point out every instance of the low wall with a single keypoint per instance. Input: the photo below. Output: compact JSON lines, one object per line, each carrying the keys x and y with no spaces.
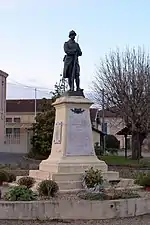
{"x":69,"y":209}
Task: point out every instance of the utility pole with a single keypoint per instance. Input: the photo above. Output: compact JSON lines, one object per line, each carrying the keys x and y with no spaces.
{"x":35,"y":102}
{"x":103,"y":119}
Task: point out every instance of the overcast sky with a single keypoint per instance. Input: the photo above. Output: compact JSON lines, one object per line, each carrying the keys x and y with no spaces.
{"x":33,"y":33}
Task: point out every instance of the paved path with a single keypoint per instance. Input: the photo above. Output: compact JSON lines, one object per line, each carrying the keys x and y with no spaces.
{"x":10,"y":158}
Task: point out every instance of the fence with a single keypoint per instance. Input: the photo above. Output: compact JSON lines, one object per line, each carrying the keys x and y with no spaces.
{"x":17,"y":143}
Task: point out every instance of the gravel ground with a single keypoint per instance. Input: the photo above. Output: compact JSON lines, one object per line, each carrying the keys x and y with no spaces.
{"x":142,"y":220}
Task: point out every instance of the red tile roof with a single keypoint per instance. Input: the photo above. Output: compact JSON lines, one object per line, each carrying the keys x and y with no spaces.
{"x":94,"y":112}
{"x":28,"y":106}
{"x":23,"y":105}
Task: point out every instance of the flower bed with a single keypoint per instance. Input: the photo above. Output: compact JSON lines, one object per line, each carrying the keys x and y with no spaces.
{"x":99,"y":200}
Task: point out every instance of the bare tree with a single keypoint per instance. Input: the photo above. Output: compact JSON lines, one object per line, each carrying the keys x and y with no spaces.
{"x":125,"y":77}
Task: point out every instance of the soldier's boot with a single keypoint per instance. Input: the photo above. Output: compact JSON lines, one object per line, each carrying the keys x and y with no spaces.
{"x":70,"y":84}
{"x":78,"y":84}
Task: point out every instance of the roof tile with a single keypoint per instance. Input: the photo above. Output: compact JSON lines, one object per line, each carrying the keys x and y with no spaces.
{"x":28,"y":106}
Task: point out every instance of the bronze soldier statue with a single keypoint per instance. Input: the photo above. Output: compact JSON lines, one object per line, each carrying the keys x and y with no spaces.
{"x":71,"y":63}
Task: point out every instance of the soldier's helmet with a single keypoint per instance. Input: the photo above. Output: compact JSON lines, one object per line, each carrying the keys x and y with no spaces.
{"x":72,"y":32}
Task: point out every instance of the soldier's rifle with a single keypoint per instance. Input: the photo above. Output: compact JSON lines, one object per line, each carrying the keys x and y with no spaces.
{"x":74,"y":68}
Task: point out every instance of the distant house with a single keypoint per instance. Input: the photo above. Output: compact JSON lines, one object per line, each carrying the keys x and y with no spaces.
{"x":112,"y":123}
{"x":20,"y":115}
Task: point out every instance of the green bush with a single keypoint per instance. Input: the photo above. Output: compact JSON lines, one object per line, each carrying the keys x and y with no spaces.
{"x":93,"y":177}
{"x":26,"y":181}
{"x":107,"y":196}
{"x":48,"y":188}
{"x":92,"y":196}
{"x":20,"y":193}
{"x":125,"y":194}
{"x":112,"y":151}
{"x":3,"y":176}
{"x":143,"y":179}
{"x":37,"y":156}
{"x":111,"y":142}
{"x":98,"y":149}
{"x":11,"y":177}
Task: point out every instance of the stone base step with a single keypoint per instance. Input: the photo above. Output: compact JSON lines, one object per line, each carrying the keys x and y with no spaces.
{"x":65,"y":185}
{"x":72,"y":164}
{"x":76,"y":186}
{"x":58,"y":177}
{"x":126,"y":183}
{"x":74,"y":181}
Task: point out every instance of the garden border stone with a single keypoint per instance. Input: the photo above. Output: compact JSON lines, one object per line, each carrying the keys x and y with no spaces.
{"x":74,"y":209}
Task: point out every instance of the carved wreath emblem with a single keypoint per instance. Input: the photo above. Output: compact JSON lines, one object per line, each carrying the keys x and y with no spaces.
{"x":77,"y":110}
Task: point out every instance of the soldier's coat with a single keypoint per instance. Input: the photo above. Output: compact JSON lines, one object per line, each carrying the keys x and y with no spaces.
{"x":71,"y":48}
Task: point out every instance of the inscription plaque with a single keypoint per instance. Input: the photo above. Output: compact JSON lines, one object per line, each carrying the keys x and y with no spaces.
{"x":79,"y":134}
{"x":58,"y":133}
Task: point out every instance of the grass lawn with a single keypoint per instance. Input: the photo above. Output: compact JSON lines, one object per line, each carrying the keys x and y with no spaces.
{"x":121,"y":161}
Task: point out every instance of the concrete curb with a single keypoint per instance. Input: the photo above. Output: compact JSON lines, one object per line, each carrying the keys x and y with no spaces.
{"x":73,"y":209}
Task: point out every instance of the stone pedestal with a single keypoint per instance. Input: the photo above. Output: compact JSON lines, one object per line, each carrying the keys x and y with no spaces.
{"x":72,"y":147}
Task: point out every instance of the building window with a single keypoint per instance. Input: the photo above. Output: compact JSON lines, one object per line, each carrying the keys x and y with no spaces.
{"x":8,"y":120}
{"x":8,"y":131}
{"x":16,"y":132}
{"x":17,"y":120}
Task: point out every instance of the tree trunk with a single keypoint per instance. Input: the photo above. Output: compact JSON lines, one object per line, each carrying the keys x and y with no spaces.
{"x":136,"y":146}
{"x":126,"y":146}
{"x":142,"y":137}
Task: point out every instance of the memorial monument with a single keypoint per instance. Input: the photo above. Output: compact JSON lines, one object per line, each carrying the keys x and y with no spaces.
{"x":72,"y":147}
